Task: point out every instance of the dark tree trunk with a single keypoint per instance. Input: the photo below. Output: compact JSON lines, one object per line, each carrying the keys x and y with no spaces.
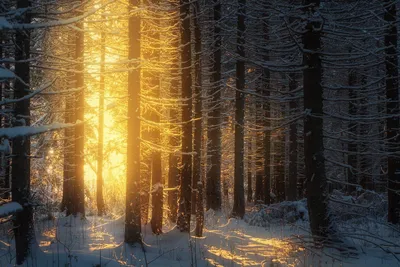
{"x":392,"y":109}
{"x":100,"y":144}
{"x":238,"y":189}
{"x":198,"y":127}
{"x":78,"y":198}
{"x":259,"y":151}
{"x":316,"y":185}
{"x":156,"y":169}
{"x":20,"y":190}
{"x":213,"y":185}
{"x":132,"y":217}
{"x":291,"y":188}
{"x":279,"y":162}
{"x":249,"y":168}
{"x":173,"y":170}
{"x":267,"y":114}
{"x":352,"y":146}
{"x":183,"y":221}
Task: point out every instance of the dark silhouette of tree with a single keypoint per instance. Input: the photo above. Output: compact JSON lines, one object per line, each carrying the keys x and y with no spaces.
{"x":183,"y":221}
{"x":132,"y":216}
{"x":316,"y":186}
{"x":20,"y":176}
{"x":238,"y":190}
{"x":392,"y":109}
{"x":213,"y":183}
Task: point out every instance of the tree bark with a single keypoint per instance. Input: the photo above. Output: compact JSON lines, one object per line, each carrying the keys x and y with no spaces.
{"x":78,"y":198}
{"x":100,"y":144}
{"x":156,"y":169}
{"x":392,"y":109}
{"x":132,"y":217}
{"x":198,"y":126}
{"x":316,"y":185}
{"x":291,"y":191}
{"x":213,"y":185}
{"x":183,"y":221}
{"x":20,"y":177}
{"x":238,"y":189}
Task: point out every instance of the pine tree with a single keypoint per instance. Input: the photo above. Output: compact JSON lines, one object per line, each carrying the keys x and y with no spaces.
{"x":132,"y":217}
{"x":20,"y":177}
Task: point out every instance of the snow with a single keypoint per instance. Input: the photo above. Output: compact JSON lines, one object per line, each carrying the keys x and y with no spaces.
{"x":4,"y":24}
{"x":94,"y":241}
{"x":9,"y":208}
{"x":5,"y":73}
{"x":19,"y":131}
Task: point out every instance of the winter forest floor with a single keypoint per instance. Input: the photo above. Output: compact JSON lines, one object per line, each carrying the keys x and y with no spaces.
{"x":94,"y":242}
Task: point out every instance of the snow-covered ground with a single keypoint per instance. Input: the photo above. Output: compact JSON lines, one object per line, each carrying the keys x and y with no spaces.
{"x":94,"y":242}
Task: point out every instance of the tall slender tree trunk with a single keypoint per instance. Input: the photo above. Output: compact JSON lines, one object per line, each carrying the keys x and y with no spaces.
{"x":249,"y":167}
{"x":156,"y":169}
{"x":20,"y":190}
{"x":267,"y":114}
{"x":100,"y":144}
{"x":183,"y":221}
{"x":213,"y":185}
{"x":291,"y":191}
{"x":316,"y":185}
{"x":392,"y":109}
{"x":259,"y":151}
{"x":132,"y":216}
{"x":352,"y":145}
{"x":79,"y":186}
{"x":173,"y":170}
{"x":198,"y":125}
{"x":238,"y":189}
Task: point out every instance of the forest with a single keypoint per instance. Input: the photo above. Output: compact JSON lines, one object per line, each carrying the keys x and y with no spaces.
{"x":199,"y":133}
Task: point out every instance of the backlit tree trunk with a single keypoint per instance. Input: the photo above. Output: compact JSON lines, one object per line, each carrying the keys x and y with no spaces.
{"x":183,"y":221}
{"x":213,"y":185}
{"x":238,"y":190}
{"x":20,"y":177}
{"x":132,"y":216}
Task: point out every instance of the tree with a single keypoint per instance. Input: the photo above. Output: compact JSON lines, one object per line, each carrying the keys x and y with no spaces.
{"x":316,"y":186}
{"x":213,"y":185}
{"x":267,"y":114}
{"x":197,"y":183}
{"x":100,"y":144}
{"x":156,"y":169}
{"x":132,"y":217}
{"x":78,"y":198}
{"x":20,"y":176}
{"x":238,"y":197}
{"x":173,"y":170}
{"x":183,"y":221}
{"x":392,"y":109}
{"x":291,"y":192}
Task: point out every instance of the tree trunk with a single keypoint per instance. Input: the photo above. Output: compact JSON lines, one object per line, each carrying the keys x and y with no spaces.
{"x":132,"y":217}
{"x":392,"y":109}
{"x":267,"y":114}
{"x":352,"y":146}
{"x":183,"y":221}
{"x":249,"y":168}
{"x":238,"y":189}
{"x":316,"y":185}
{"x":20,"y":190}
{"x":100,"y":144}
{"x":78,"y":198}
{"x":173,"y":170}
{"x":198,"y":127}
{"x":213,"y":185}
{"x":156,"y":169}
{"x":291,"y":191}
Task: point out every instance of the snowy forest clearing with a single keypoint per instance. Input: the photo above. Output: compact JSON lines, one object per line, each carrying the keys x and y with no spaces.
{"x":96,"y":241}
